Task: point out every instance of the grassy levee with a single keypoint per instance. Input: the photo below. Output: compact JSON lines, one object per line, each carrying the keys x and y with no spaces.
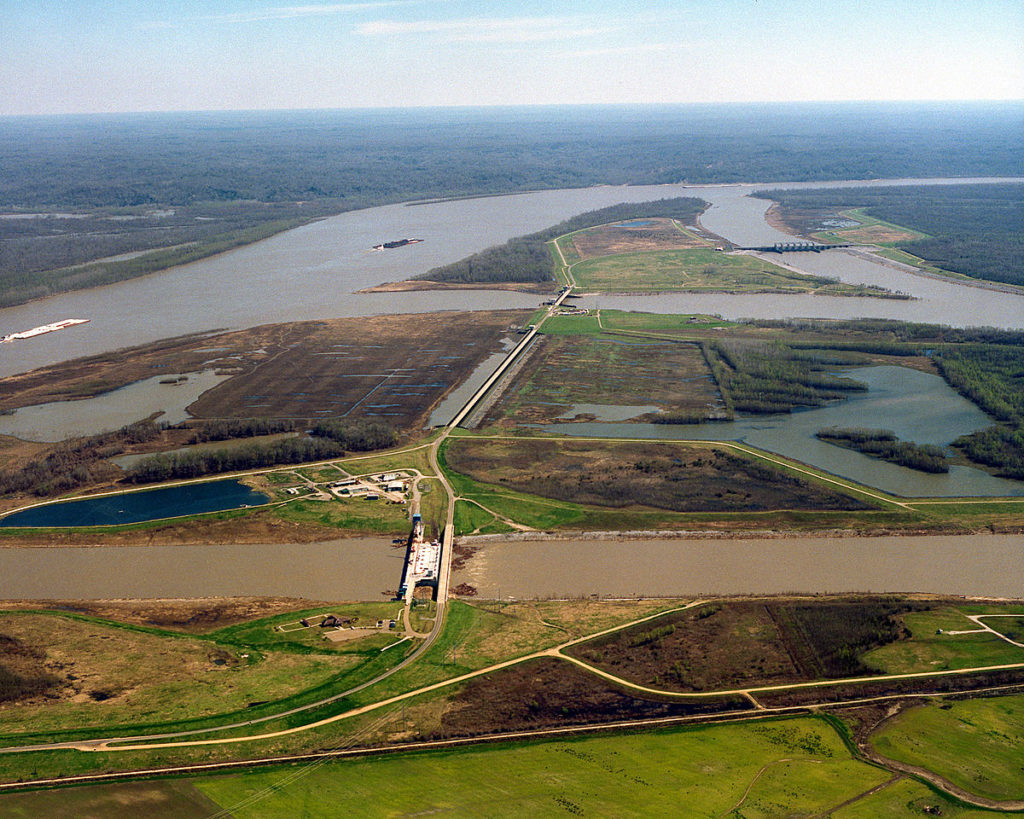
{"x":471,"y":518}
{"x":970,"y":743}
{"x":896,"y":255}
{"x":702,"y":270}
{"x":779,"y":767}
{"x":622,"y":320}
{"x":353,"y":515}
{"x":412,"y":458}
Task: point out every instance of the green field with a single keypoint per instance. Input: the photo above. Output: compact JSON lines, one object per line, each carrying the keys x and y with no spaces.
{"x":931,"y":649}
{"x":908,"y":797}
{"x":793,"y":766}
{"x":702,"y":270}
{"x":124,"y":678}
{"x":975,"y":744}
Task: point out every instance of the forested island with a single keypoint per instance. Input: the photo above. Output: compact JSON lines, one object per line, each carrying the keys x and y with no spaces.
{"x":883,"y":444}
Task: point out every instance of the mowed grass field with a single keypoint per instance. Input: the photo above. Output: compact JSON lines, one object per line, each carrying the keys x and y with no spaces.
{"x":977,"y":744}
{"x":699,"y":270}
{"x":932,"y":646}
{"x":778,"y":768}
{"x":910,"y":798}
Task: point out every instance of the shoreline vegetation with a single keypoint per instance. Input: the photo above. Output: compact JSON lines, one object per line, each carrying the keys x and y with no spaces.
{"x":16,"y":290}
{"x":641,"y":248}
{"x":718,"y":371}
{"x":883,"y":444}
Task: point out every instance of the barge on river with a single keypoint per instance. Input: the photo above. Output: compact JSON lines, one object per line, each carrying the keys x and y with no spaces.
{"x":46,"y":328}
{"x":396,"y":243}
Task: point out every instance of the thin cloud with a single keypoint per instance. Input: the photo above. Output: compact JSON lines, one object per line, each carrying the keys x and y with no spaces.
{"x":295,"y":12}
{"x":639,"y":48}
{"x":487,"y":30}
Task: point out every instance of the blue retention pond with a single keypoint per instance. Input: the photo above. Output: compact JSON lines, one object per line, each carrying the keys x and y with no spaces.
{"x":138,"y":507}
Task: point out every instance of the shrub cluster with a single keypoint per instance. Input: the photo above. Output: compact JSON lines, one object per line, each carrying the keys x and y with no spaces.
{"x":765,"y":378}
{"x":76,"y":462}
{"x":329,"y":439}
{"x":237,"y":428}
{"x":183,"y":465}
{"x":357,"y":436}
{"x":989,"y":375}
{"x":998,"y":447}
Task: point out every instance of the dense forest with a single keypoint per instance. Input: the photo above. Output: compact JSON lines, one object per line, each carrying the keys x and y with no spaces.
{"x":527,"y":258}
{"x":764,"y":378}
{"x":365,"y":158}
{"x":976,"y":230}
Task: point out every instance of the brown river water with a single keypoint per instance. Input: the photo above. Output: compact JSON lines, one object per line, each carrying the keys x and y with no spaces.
{"x":974,"y":565}
{"x":350,"y":569}
{"x":313,"y":272}
{"x":364,"y":568}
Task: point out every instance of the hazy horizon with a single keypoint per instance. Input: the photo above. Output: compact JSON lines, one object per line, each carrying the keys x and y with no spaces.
{"x":673,"y":107}
{"x":120,"y":56}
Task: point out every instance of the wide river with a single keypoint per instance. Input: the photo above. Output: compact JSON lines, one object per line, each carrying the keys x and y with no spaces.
{"x":351,"y":569}
{"x":975,"y":565}
{"x":366,"y":568}
{"x":313,"y":272}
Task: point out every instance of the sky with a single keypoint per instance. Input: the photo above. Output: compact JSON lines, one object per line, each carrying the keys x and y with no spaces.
{"x":88,"y":56}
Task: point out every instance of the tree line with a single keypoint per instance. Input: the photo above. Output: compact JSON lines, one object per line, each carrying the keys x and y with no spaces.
{"x":329,"y":439}
{"x":883,"y":444}
{"x":76,"y":463}
{"x":762,"y":378}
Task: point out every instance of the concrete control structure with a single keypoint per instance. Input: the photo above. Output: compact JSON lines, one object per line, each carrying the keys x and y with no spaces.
{"x":423,"y":560}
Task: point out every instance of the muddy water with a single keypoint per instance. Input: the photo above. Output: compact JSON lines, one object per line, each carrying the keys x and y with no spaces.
{"x":356,"y":569}
{"x":984,"y":565}
{"x":312,"y":272}
{"x":112,"y":410}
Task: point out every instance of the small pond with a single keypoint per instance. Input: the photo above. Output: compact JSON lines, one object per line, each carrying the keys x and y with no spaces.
{"x":138,"y":507}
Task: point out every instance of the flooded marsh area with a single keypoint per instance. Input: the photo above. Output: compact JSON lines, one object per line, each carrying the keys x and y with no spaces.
{"x":917,"y":406}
